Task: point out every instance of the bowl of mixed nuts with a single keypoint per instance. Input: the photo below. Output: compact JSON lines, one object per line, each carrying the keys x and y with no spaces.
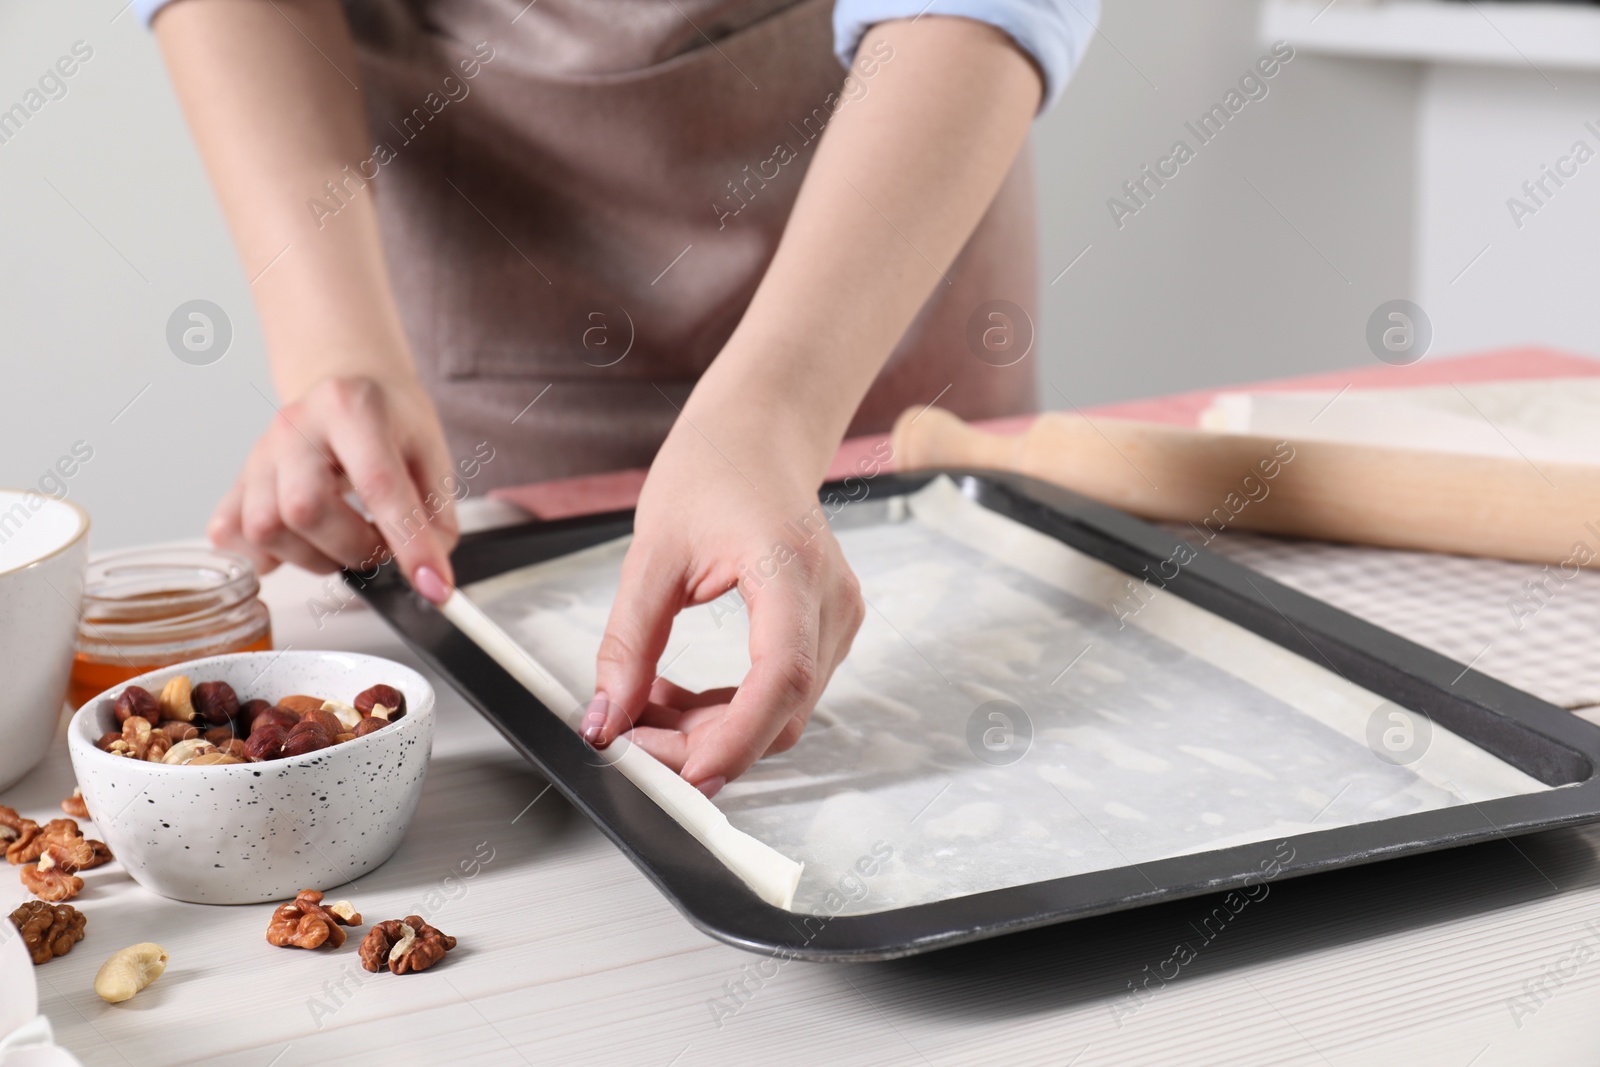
{"x":241,"y":778}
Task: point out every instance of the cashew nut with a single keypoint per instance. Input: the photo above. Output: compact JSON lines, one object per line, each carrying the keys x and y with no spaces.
{"x":348,"y":716}
{"x":129,"y":971}
{"x":184,"y":751}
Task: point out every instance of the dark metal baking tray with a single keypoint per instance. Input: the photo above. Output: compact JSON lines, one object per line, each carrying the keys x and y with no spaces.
{"x":1540,"y":739}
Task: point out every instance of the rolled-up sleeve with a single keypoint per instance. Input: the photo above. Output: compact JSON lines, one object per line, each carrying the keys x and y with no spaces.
{"x":1054,"y":32}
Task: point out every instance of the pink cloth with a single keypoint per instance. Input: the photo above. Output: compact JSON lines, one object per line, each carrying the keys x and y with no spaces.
{"x":616,"y":490}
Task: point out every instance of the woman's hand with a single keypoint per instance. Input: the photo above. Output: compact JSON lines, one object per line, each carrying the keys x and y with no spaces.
{"x":383,"y":441}
{"x":275,"y":116}
{"x":721,"y":510}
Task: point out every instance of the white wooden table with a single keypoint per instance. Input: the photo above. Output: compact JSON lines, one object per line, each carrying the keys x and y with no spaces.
{"x":1480,"y":956}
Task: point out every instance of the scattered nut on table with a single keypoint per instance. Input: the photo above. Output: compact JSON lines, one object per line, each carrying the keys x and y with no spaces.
{"x":52,"y":855}
{"x":75,"y":805}
{"x":48,"y":930}
{"x":305,"y":922}
{"x":130,"y":970}
{"x":17,"y":833}
{"x":56,"y":831}
{"x":405,"y":946}
{"x":54,"y":877}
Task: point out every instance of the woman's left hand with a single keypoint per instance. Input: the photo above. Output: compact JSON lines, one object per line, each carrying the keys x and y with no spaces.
{"x":720,"y":510}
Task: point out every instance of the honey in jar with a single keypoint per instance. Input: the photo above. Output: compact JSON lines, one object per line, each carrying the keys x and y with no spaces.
{"x":154,"y":607}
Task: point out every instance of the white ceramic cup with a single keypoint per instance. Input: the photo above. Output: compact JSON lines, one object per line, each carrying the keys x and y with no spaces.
{"x":44,"y":548}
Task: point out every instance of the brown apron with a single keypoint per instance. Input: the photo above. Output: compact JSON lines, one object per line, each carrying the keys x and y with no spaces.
{"x":581,"y":224}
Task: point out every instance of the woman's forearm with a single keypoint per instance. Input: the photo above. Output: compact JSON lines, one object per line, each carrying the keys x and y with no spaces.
{"x":270,"y":92}
{"x":900,"y":180}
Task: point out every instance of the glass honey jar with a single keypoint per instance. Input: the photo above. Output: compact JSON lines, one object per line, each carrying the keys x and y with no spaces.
{"x":154,"y":607}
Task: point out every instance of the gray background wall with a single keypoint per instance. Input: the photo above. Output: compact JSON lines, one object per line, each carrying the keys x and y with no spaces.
{"x":1262,"y":258}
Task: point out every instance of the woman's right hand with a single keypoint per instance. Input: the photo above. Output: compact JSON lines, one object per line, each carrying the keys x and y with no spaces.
{"x":380,"y":440}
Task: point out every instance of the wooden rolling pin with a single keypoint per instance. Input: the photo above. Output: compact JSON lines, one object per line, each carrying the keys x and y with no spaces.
{"x":1506,"y":508}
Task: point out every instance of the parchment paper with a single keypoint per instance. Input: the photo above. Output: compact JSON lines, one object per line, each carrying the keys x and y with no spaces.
{"x":1166,"y":732}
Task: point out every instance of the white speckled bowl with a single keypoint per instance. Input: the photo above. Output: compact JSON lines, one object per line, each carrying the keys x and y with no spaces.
{"x":252,"y":832}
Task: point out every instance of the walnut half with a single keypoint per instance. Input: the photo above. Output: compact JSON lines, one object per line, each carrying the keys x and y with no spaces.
{"x":405,"y":946}
{"x":54,"y":878}
{"x":305,"y":923}
{"x":48,"y":930}
{"x":64,"y":832}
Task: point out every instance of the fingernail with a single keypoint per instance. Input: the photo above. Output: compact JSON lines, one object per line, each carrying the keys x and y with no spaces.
{"x":594,"y":720}
{"x":427,"y":582}
{"x":711,"y":786}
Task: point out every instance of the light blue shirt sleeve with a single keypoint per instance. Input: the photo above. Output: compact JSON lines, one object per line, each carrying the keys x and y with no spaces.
{"x":146,"y":9}
{"x":1054,"y":32}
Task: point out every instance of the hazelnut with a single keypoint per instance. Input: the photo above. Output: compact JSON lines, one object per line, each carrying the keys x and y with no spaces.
{"x":307,"y":737}
{"x":370,"y":724}
{"x":279,"y":717}
{"x":266,"y":742}
{"x":369,"y":700}
{"x":136,"y":700}
{"x":220,"y":735}
{"x":176,"y":702}
{"x":250,"y":709}
{"x":178,"y":732}
{"x":104,"y":744}
{"x":216,"y":702}
{"x":340,"y":739}
{"x":300,"y":703}
{"x":129,"y":971}
{"x":325,"y":719}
